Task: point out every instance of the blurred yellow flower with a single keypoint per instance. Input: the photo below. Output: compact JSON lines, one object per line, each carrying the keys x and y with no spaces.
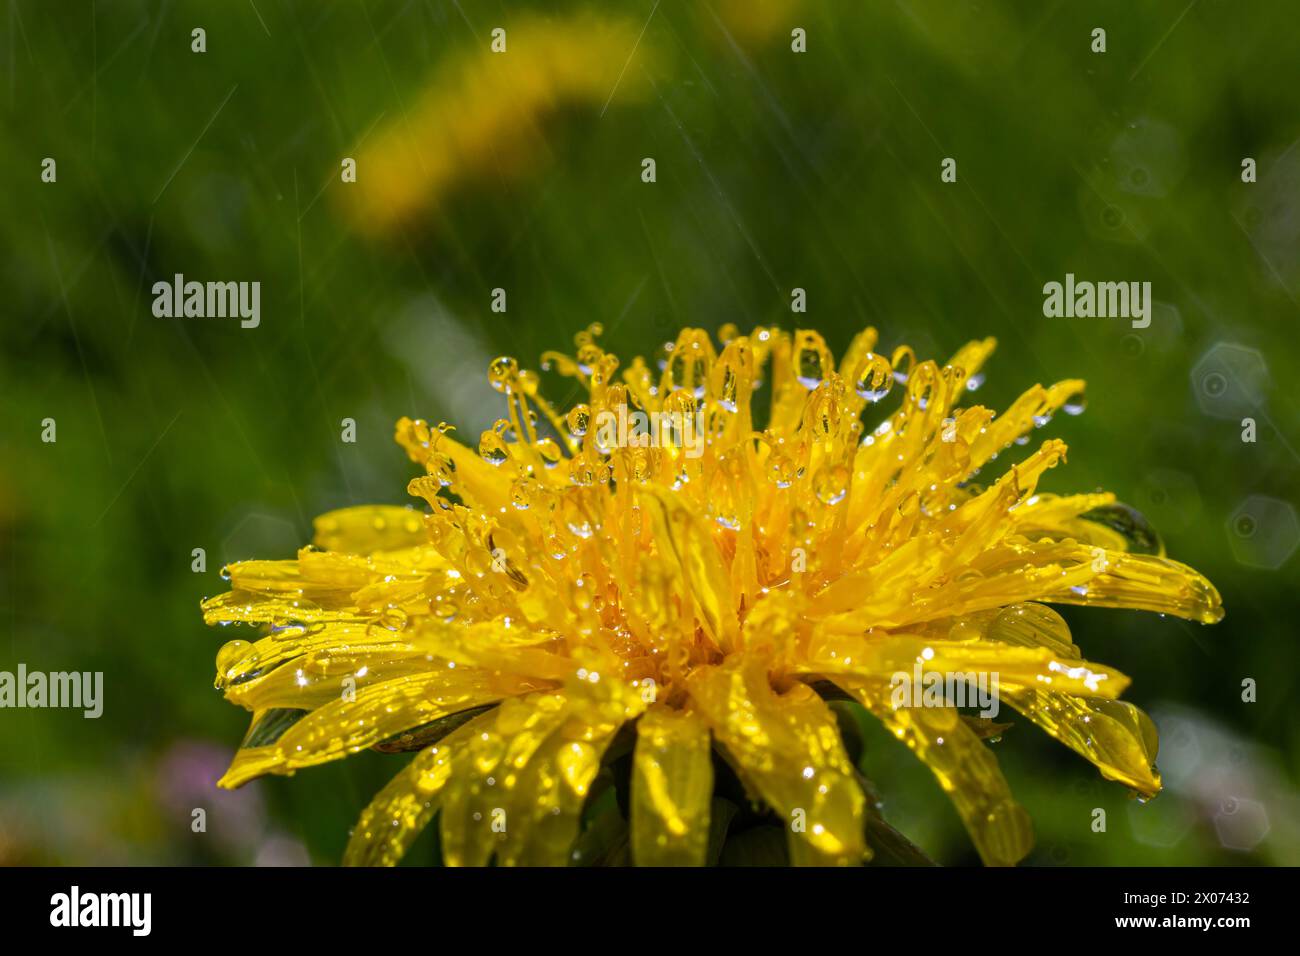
{"x":482,"y":117}
{"x":575,"y":580}
{"x":753,"y":23}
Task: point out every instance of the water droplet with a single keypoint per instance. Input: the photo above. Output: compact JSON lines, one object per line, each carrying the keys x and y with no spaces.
{"x":550,"y":452}
{"x":230,"y":655}
{"x":728,"y":389}
{"x":812,"y":359}
{"x":393,"y":619}
{"x":492,"y":448}
{"x":831,"y":484}
{"x":1130,"y":524}
{"x":503,"y":373}
{"x":780,"y":470}
{"x":874,"y":380}
{"x":579,"y":420}
{"x":525,"y":492}
{"x":581,"y":472}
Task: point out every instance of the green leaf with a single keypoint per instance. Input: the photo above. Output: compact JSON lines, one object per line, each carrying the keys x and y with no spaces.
{"x":757,"y":846}
{"x":272,"y":726}
{"x":426,"y":734}
{"x":721,"y":813}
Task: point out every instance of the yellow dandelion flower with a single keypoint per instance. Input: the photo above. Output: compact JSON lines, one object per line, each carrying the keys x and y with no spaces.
{"x":484,"y":116}
{"x":752,"y":23}
{"x":654,"y":573}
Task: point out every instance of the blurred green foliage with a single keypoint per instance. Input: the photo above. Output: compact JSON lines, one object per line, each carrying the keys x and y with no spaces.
{"x":775,"y":170}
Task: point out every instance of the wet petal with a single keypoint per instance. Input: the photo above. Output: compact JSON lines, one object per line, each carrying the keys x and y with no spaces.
{"x":479,"y":808}
{"x":369,"y":528}
{"x":347,"y":725}
{"x":672,"y":785}
{"x":787,"y":748}
{"x":884,"y":656}
{"x":1115,"y":736}
{"x":966,"y":769}
{"x":1118,"y":738}
{"x":399,"y":812}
